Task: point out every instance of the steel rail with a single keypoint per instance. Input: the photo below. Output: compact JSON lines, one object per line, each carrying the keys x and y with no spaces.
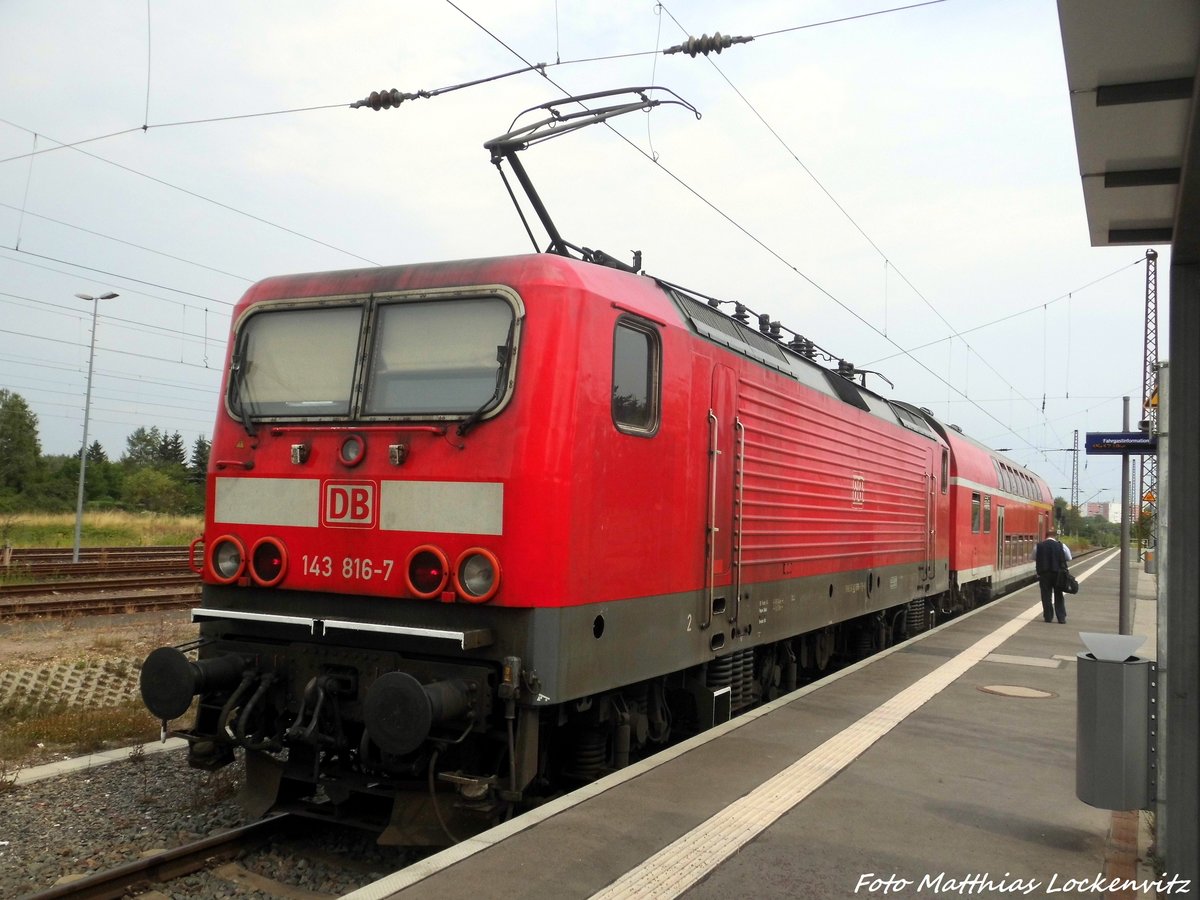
{"x":60,"y":588}
{"x":121,"y":880}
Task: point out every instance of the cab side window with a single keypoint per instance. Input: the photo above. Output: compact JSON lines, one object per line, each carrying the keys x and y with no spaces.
{"x":637,"y":359}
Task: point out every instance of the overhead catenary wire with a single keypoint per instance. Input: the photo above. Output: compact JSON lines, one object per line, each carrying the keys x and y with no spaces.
{"x":79,"y":314}
{"x":117,"y":240}
{"x":129,"y":278}
{"x":195,"y":194}
{"x":761,"y":243}
{"x":149,"y":67}
{"x":25,"y":194}
{"x":106,"y":373}
{"x":280,"y":112}
{"x":774,"y":133}
{"x":540,"y":67}
{"x":1022,"y":312}
{"x":130,"y":353}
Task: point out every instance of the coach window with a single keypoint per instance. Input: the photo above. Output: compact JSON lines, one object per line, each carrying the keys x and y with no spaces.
{"x":975,"y":513}
{"x":987,"y":515}
{"x":945,"y":470}
{"x":635,"y":387}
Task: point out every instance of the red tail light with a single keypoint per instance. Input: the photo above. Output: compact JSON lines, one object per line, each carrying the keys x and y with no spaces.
{"x":268,"y":562}
{"x":426,"y":572}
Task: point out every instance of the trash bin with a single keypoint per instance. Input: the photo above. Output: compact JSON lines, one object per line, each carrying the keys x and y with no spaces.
{"x":1150,"y":563}
{"x":1114,"y":725}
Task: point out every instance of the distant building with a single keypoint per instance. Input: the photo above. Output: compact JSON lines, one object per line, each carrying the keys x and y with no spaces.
{"x":1110,"y":512}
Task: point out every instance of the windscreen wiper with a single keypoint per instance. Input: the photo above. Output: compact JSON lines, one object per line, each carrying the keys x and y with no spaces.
{"x":237,"y":372}
{"x":504,"y":357}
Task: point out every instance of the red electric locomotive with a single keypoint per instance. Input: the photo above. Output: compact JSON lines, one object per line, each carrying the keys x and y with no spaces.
{"x":479,"y":529}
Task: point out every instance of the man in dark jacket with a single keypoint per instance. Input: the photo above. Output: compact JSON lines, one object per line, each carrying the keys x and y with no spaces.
{"x":1051,"y":557}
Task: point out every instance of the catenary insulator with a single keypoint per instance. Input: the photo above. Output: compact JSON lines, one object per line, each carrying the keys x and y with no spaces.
{"x":383,"y":99}
{"x":706,"y":45}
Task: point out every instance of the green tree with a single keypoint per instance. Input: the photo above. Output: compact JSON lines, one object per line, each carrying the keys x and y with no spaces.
{"x":171,"y":451}
{"x":142,"y":447}
{"x":20,"y":449}
{"x":154,"y":490}
{"x":103,"y":477}
{"x":198,"y":466}
{"x":56,"y":485}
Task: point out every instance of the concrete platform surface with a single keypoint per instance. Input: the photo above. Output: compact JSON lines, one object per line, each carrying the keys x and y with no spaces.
{"x":945,"y":766}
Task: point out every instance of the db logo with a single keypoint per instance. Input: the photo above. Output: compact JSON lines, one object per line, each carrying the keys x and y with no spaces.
{"x":858,"y":490}
{"x":349,"y":504}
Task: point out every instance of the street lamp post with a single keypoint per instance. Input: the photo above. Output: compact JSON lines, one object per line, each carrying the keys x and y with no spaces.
{"x":87,"y":407}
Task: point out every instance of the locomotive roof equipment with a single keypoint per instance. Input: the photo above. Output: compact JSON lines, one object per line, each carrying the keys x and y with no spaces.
{"x":558,"y":123}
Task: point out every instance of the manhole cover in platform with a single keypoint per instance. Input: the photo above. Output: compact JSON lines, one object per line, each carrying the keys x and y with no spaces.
{"x":1016,"y":690}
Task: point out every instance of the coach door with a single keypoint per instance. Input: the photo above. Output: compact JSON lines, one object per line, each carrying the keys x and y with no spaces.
{"x":1000,"y":560}
{"x":721,"y":538}
{"x":930,"y":522}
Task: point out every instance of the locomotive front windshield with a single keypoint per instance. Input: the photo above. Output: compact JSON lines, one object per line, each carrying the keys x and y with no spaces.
{"x":438,"y":357}
{"x":297,"y":362}
{"x":425,"y":358}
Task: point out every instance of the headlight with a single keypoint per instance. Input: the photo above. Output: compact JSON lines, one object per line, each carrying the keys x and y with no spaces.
{"x":477,"y":575}
{"x":228,"y":559}
{"x":268,"y":562}
{"x":426,"y":572}
{"x":352,"y":451}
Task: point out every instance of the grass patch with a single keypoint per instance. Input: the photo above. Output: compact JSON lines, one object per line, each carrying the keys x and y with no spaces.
{"x":32,"y":730}
{"x":103,"y":529}
{"x":110,"y":644}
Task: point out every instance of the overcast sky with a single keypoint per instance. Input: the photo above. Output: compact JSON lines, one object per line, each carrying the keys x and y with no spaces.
{"x":878,"y":184}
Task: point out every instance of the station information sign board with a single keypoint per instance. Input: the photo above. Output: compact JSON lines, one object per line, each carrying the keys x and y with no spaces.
{"x":1118,"y":443}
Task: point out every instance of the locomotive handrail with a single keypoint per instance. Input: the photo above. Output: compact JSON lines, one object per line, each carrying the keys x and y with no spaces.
{"x":277,"y":430}
{"x":468,"y":639}
{"x":739,"y":505}
{"x":203,"y":613}
{"x":246,"y":464}
{"x":711,"y":549}
{"x":196,"y":567}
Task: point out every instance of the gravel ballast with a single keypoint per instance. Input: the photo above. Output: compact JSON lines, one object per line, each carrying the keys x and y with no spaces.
{"x":102,"y":815}
{"x":88,"y":821}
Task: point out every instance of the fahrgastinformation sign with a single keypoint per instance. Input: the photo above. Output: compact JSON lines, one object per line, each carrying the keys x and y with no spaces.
{"x":1121,"y":443}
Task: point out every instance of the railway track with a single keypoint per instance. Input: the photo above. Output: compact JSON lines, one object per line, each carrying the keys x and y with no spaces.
{"x":140,"y":874}
{"x":74,"y":570}
{"x":44,"y":583}
{"x":50,"y":563}
{"x":64,"y":554}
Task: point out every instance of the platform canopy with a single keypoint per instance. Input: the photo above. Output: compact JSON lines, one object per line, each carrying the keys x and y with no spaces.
{"x":1131,"y":71}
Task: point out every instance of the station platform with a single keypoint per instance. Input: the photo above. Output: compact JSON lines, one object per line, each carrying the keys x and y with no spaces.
{"x":943,"y":766}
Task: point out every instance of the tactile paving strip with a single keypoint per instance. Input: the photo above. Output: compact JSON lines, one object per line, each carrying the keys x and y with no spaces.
{"x":98,"y":682}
